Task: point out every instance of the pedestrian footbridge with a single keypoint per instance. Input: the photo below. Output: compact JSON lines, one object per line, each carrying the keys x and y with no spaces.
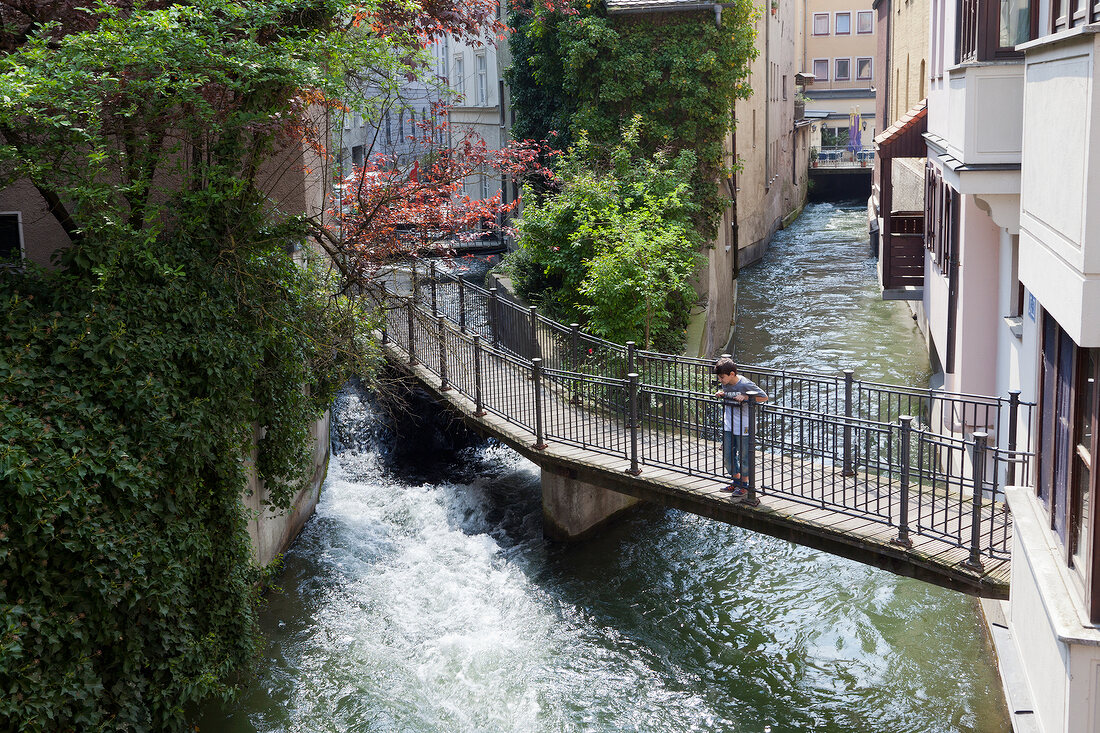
{"x":906,"y":479}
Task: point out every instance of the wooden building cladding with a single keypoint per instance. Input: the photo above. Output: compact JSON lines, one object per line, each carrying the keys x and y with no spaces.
{"x":1069,"y":408}
{"x":941,"y":239}
{"x":989,"y":30}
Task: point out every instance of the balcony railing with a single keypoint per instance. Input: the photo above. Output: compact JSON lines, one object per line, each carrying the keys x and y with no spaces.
{"x":844,"y":158}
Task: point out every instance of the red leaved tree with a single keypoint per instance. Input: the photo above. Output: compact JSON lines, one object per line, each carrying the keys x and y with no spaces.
{"x":386,"y":211}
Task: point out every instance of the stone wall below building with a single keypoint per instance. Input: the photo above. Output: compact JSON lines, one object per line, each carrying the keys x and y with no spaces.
{"x":272,"y":534}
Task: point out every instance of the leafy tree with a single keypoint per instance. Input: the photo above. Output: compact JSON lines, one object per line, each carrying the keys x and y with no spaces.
{"x":614,"y":245}
{"x":176,"y":329}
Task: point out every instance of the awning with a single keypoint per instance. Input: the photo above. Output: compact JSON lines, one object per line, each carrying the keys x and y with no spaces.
{"x":905,"y":138}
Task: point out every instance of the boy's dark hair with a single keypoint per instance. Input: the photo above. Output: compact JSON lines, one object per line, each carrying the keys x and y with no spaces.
{"x":725,"y":365}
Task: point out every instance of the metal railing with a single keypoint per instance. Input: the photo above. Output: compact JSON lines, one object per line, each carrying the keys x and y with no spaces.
{"x":924,"y":461}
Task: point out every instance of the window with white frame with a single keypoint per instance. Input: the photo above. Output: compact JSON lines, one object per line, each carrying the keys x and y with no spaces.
{"x":842,"y":69}
{"x":484,"y":187}
{"x":460,"y":76}
{"x":821,"y":69}
{"x":863,"y":68}
{"x":865,"y":21}
{"x":11,"y":237}
{"x":389,"y":129}
{"x":482,"y":81}
{"x":821,"y":24}
{"x":843,"y":24}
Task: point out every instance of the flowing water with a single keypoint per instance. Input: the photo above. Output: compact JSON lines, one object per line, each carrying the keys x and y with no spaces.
{"x":422,"y":596}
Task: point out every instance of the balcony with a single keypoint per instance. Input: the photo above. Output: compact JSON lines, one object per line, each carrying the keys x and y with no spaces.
{"x":1059,"y":226}
{"x":981,"y":124}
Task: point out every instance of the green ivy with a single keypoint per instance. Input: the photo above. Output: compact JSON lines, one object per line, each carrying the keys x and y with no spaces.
{"x":679,"y":72}
{"x":127,"y":408}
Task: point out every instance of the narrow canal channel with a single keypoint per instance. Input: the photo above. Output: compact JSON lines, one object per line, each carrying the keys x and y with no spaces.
{"x":422,"y":597}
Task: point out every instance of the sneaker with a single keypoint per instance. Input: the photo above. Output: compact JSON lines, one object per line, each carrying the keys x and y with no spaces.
{"x":732,"y":487}
{"x":739,"y":493}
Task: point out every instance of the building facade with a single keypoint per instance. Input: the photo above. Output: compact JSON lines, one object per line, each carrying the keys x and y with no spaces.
{"x":838,"y":49}
{"x":1009,"y":303}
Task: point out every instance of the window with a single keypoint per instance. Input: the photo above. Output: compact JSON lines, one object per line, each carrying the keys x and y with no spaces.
{"x":821,"y":69}
{"x":484,"y":187}
{"x":11,"y":237}
{"x":843,"y":24}
{"x":842,"y":70}
{"x":863,"y":69}
{"x":357,"y":155}
{"x":865,"y":21}
{"x":821,"y":24}
{"x":460,"y":76}
{"x":1069,"y":410}
{"x":389,"y":129}
{"x":400,"y":125}
{"x":482,"y":81}
{"x":784,"y":86}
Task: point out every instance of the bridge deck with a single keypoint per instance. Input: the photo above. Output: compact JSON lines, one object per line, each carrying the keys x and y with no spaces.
{"x":801,"y":500}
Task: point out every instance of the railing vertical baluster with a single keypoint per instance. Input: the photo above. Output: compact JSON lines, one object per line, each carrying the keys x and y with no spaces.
{"x":575,"y":345}
{"x":461,"y":305}
{"x":847,"y":457}
{"x":751,"y":498}
{"x":975,"y":560}
{"x":435,"y":299}
{"x":494,"y":317}
{"x":534,"y":331}
{"x":536,"y":375}
{"x":443,"y":384}
{"x":412,"y":335}
{"x":630,"y":348}
{"x":634,"y":469}
{"x":1013,"y":416}
{"x":903,"y":510}
{"x":479,"y":403}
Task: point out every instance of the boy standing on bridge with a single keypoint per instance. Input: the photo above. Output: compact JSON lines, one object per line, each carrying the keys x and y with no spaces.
{"x":735,"y":421}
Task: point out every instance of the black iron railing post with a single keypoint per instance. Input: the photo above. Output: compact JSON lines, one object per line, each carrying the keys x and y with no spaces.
{"x":415,"y":282}
{"x":846,"y":465}
{"x":443,"y":384}
{"x":479,"y":402}
{"x":412,"y":335}
{"x":632,"y":381}
{"x":494,"y":317}
{"x":461,"y":305}
{"x":975,"y":560}
{"x":630,"y":349}
{"x":575,"y":345}
{"x":903,"y":513}
{"x":534,"y":310}
{"x":751,"y":499}
{"x":435,"y":299}
{"x":536,"y":376}
{"x":1013,"y":417}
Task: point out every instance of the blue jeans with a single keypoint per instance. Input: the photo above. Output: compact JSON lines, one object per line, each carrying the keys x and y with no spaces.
{"x":733,"y":451}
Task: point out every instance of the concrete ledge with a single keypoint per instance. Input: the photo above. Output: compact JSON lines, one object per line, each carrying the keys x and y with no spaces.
{"x":908,"y":292}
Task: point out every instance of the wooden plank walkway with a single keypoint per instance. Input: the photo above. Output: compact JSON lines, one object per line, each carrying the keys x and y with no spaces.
{"x":801,"y":500}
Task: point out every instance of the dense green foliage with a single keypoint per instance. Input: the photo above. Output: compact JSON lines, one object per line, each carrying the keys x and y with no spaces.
{"x":679,"y":72}
{"x":135,"y":377}
{"x":615,"y":245}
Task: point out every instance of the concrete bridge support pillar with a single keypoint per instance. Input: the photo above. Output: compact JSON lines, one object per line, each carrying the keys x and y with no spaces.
{"x":572,"y":509}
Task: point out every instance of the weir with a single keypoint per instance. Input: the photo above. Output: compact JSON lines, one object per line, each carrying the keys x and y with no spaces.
{"x":909,"y":480}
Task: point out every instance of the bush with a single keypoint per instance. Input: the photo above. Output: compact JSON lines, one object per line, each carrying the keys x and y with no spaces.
{"x":614,"y":246}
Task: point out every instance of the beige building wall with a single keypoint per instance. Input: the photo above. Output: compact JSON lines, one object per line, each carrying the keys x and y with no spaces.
{"x":824,"y":23}
{"x":908,"y":73}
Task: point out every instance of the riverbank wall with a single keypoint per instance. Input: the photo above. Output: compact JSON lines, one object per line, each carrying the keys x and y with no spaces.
{"x":271,"y":532}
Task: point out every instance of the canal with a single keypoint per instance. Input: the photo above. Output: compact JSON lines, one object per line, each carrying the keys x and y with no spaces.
{"x":423,"y":597}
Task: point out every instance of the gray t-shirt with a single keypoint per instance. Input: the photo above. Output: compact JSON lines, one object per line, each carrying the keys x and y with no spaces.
{"x":736,"y":414}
